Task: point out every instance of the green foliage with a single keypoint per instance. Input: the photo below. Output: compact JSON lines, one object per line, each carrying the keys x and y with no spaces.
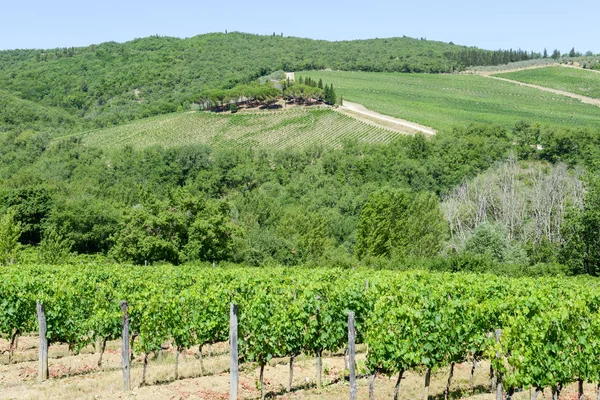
{"x":488,"y":240}
{"x":329,"y":95}
{"x":581,"y":251}
{"x":398,"y":223}
{"x":573,"y":80}
{"x":149,"y":233}
{"x":292,"y":207}
{"x":54,"y":249}
{"x":210,"y":236}
{"x":86,"y":222}
{"x":449,"y":100}
{"x":285,"y":129}
{"x":184,"y":229}
{"x":98,"y":89}
{"x":31,"y":206}
{"x":548,"y":327}
{"x":10,"y":232}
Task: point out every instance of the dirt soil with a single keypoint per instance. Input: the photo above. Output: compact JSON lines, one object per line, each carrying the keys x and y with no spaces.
{"x":361,"y":113}
{"x":79,"y":377}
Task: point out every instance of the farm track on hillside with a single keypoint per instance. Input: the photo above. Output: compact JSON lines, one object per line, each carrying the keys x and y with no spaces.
{"x":361,"y":113}
{"x":583,"y":99}
{"x":445,"y":101}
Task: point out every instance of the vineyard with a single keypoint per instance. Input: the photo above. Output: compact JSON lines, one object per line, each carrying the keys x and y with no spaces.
{"x":535,"y":334}
{"x":574,"y":80}
{"x":448,"y":100}
{"x":294,"y":128}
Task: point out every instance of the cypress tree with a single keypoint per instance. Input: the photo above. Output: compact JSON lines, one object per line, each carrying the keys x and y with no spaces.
{"x":332,"y":96}
{"x":326,"y":94}
{"x":556,"y":54}
{"x":320,"y":84}
{"x":545,"y":53}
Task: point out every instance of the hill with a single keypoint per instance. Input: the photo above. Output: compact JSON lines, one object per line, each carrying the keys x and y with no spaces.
{"x":574,"y":80}
{"x":444,"y":101}
{"x":21,"y":115}
{"x":294,"y":128}
{"x":111,"y":83}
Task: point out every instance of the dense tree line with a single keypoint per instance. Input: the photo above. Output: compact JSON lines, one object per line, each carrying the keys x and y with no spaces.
{"x":304,"y":91}
{"x":362,"y":203}
{"x":476,"y":57}
{"x":111,"y":83}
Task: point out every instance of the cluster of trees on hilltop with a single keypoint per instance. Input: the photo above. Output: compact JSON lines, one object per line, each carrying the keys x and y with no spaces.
{"x":476,"y":57}
{"x":111,"y":83}
{"x":255,"y":93}
{"x":304,"y":91}
{"x":358,"y":204}
{"x":309,"y":90}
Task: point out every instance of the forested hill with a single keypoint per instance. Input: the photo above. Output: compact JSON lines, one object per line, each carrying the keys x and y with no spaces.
{"x":111,"y":83}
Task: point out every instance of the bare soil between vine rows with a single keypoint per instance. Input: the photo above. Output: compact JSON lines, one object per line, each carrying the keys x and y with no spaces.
{"x":79,"y":377}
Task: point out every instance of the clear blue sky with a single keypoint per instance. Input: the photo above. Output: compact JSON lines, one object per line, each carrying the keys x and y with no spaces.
{"x":529,"y":24}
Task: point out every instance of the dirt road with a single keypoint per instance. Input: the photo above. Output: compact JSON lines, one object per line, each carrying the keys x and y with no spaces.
{"x":361,"y":113}
{"x":583,"y":99}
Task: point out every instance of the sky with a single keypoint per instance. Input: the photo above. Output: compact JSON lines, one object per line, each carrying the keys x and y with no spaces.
{"x":526,"y":24}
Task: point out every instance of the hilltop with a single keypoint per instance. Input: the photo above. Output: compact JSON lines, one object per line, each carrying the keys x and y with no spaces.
{"x":112,"y":83}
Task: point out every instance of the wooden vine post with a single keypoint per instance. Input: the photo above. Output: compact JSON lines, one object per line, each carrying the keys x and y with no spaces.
{"x":352,"y":354}
{"x":125,"y":360}
{"x":499,"y":386}
{"x":43,"y":350}
{"x":233,"y":351}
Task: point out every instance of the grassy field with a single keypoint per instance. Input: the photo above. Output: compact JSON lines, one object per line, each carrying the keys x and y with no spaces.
{"x":443,"y":101}
{"x":293,"y":128}
{"x":579,"y":81}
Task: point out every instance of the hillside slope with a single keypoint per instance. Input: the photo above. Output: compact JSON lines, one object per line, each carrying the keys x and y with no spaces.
{"x":444,"y":101}
{"x":574,"y":80}
{"x":294,"y":128}
{"x":111,"y":83}
{"x":21,"y":115}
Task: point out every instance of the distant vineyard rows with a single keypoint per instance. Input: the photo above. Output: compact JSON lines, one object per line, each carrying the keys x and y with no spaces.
{"x":573,"y":80}
{"x":445,"y":101}
{"x":283,"y":129}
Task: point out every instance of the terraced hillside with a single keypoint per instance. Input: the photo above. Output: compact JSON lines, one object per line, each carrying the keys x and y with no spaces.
{"x":293,"y":128}
{"x":443,"y":101}
{"x":574,"y":80}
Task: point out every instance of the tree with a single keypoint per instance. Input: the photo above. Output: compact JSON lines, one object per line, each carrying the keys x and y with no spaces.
{"x":395,"y":222}
{"x":572,"y":53}
{"x":54,"y":248}
{"x":329,"y":95}
{"x":211,"y":234}
{"x":151,"y":232}
{"x":581,"y":249}
{"x":10,"y":232}
{"x":545,"y":53}
{"x":489,"y":240}
{"x":556,"y":54}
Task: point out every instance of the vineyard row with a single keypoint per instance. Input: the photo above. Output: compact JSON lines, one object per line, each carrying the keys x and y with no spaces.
{"x":536,"y":333}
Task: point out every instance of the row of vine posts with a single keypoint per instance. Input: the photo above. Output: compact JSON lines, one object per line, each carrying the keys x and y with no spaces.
{"x":233,"y":350}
